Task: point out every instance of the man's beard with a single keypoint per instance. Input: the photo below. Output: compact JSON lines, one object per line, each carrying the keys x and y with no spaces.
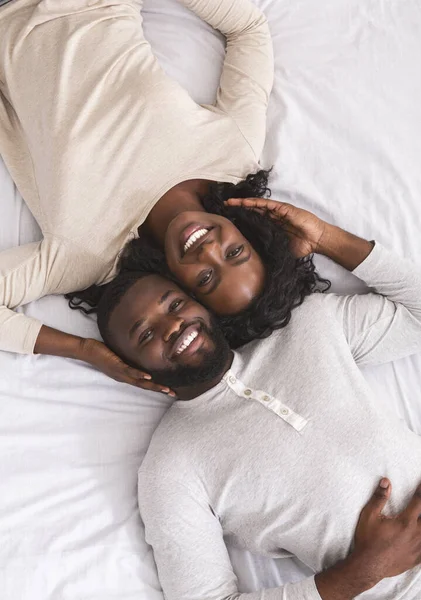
{"x":212,"y":364}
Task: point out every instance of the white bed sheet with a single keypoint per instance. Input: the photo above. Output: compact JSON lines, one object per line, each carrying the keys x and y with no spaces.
{"x":344,"y":135}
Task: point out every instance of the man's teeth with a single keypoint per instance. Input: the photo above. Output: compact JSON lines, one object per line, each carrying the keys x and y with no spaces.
{"x":194,"y":236}
{"x":187,"y":341}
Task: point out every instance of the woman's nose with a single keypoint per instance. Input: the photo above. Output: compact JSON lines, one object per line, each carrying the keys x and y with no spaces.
{"x":210,"y":251}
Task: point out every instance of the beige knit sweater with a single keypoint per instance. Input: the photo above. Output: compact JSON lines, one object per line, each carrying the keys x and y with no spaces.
{"x":94,"y":133}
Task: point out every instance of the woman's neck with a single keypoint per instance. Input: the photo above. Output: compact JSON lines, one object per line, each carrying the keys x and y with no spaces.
{"x":180,"y":198}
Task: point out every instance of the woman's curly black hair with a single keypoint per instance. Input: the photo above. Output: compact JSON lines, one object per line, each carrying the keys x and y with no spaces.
{"x":288,"y":279}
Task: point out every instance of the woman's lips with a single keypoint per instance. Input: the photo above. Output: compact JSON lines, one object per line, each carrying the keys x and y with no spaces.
{"x":188,"y":231}
{"x":192,"y":236}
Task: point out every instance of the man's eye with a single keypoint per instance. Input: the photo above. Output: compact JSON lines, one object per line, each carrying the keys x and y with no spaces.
{"x":235,"y":252}
{"x":145,"y":336}
{"x":174,"y":305}
{"x":205,"y":279}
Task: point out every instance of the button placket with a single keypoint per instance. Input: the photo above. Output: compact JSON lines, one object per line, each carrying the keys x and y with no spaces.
{"x":269,"y":402}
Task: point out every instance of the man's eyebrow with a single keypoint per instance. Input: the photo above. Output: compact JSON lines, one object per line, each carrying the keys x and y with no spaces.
{"x":217,"y":281}
{"x":165,"y":296}
{"x":136,"y":326}
{"x":140,"y":322}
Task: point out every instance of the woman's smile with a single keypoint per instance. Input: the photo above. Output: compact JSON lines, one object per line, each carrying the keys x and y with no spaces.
{"x":212,"y":259}
{"x":192,"y":237}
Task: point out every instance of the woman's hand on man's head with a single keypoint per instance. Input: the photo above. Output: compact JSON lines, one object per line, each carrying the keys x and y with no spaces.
{"x":304,"y":228}
{"x":100,"y":356}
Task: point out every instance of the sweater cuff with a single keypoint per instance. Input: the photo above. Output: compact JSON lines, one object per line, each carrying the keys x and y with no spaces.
{"x":19,"y":333}
{"x":32,"y":333}
{"x":302,"y":590}
{"x":376,"y":258}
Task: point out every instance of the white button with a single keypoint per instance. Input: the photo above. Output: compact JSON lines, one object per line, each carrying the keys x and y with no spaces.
{"x":232,"y":379}
{"x":247,"y":392}
{"x":284,"y":411}
{"x":266,"y":398}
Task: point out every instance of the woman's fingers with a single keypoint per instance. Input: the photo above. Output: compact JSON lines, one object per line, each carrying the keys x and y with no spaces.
{"x":155,"y":387}
{"x":151,"y":386}
{"x":137,"y":374}
{"x":144,"y":380}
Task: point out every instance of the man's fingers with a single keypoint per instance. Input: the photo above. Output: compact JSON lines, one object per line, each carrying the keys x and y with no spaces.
{"x":264,"y":203}
{"x":252,"y":202}
{"x":413,"y":510}
{"x":378,"y":500}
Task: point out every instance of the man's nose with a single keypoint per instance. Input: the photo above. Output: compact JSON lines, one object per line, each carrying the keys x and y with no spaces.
{"x":172,"y":326}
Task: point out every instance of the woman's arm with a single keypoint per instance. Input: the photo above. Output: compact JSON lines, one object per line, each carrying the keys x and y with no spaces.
{"x":248,"y":70}
{"x":31,"y":271}
{"x":57,"y":343}
{"x":23,"y":274}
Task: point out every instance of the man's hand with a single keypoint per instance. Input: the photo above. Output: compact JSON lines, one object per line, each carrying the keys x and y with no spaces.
{"x":304,"y":229}
{"x":390,"y":545}
{"x":309,"y":234}
{"x":98,"y":355}
{"x":384,"y":547}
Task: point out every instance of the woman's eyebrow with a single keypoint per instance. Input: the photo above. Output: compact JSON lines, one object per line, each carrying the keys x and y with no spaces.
{"x":241,"y":261}
{"x":217,"y":280}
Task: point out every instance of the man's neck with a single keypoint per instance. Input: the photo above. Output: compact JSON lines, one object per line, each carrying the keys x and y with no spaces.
{"x":193,"y":391}
{"x":180,"y":198}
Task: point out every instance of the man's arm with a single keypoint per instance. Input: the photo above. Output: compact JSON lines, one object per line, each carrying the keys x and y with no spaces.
{"x":193,"y":563}
{"x":344,"y":248}
{"x":380,"y":326}
{"x":248,"y":70}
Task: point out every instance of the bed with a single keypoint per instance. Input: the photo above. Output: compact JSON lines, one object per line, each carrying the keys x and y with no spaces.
{"x":344,"y":137}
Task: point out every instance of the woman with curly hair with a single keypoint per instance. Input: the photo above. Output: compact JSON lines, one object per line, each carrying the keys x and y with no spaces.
{"x":232,"y":235}
{"x":104,"y":146}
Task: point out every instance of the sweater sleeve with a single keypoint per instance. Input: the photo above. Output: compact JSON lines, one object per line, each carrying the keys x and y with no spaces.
{"x":248,"y":70}
{"x":29,"y":272}
{"x":21,"y":280}
{"x":385,"y":324}
{"x":189,"y":550}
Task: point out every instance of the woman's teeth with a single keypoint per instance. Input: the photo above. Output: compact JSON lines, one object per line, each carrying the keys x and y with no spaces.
{"x":194,"y":237}
{"x":186,"y":343}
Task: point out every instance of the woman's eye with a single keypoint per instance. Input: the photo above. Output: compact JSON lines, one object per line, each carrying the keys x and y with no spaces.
{"x":174,"y":305}
{"x":145,"y":336}
{"x":205,"y":279}
{"x":235,"y":252}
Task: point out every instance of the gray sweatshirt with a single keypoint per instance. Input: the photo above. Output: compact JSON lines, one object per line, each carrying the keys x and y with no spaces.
{"x":280,"y":457}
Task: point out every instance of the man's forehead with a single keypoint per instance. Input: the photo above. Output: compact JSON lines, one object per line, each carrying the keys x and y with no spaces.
{"x":151,"y":290}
